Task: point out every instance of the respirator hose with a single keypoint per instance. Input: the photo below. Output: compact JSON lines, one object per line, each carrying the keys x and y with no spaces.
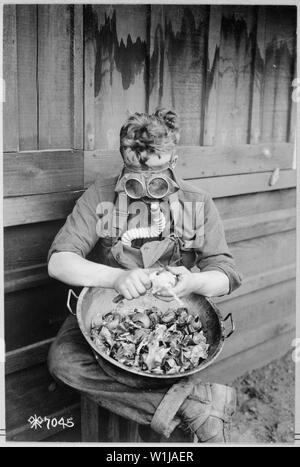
{"x":157,"y":227}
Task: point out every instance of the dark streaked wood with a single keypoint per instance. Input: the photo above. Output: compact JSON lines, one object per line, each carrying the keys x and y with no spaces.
{"x":293,"y":109}
{"x":229,"y":76}
{"x":115,"y":56}
{"x":55,"y":76}
{"x":203,"y":161}
{"x":29,"y":173}
{"x":274,"y":63}
{"x":27,"y":357}
{"x":77,"y":72}
{"x":10,"y":84}
{"x":27,"y":83}
{"x":178,"y":64}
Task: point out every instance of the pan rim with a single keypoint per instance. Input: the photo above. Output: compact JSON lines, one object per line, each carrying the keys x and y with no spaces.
{"x":110,"y":360}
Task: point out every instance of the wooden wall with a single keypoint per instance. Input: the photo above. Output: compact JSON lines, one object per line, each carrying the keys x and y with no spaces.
{"x":73,"y":74}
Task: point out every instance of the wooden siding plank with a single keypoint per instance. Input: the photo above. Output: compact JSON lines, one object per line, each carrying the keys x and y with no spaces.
{"x":229,"y":78}
{"x":10,"y":75}
{"x":232,"y":185}
{"x":262,"y":254}
{"x":260,"y":316}
{"x":55,"y":76}
{"x":29,"y":173}
{"x":293,"y":109}
{"x":27,"y":357}
{"x":78,"y":67}
{"x":260,"y":281}
{"x":44,"y":207}
{"x":115,"y":54}
{"x":178,"y":64}
{"x":229,"y":369}
{"x":255,"y":203}
{"x":258,"y":225}
{"x":212,"y":75}
{"x":27,"y":75}
{"x":24,"y":278}
{"x":89,"y":81}
{"x":202,"y":161}
{"x":27,"y":246}
{"x":244,"y":340}
{"x":39,"y":208}
{"x":274,"y":65}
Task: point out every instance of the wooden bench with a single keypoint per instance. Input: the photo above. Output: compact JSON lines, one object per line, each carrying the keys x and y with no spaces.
{"x":100,"y":425}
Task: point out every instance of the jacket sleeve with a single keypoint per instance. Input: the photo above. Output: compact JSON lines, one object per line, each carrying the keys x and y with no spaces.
{"x":215,"y":254}
{"x":79,"y":233}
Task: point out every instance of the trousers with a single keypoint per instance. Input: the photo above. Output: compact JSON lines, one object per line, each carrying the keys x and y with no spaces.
{"x":71,"y":361}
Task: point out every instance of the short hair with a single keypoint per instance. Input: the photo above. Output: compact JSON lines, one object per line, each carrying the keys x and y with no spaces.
{"x":146,"y":134}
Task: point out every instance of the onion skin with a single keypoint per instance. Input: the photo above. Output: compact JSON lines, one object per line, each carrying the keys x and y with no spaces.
{"x":141,"y":318}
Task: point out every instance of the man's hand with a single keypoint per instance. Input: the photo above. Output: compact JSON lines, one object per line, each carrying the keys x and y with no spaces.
{"x":207,"y":283}
{"x":185,"y":282}
{"x":132,"y":284}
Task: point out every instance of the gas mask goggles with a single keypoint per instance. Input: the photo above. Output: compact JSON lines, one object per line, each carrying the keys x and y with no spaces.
{"x":154,"y":185}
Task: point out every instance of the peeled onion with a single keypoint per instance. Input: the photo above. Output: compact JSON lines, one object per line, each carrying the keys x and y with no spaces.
{"x":162,"y":281}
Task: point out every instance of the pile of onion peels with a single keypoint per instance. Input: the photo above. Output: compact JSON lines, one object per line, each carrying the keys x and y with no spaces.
{"x":151,"y":340}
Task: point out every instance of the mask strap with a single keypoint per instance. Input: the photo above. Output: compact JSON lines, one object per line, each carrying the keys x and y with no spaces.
{"x":120,"y":213}
{"x":176,"y":212}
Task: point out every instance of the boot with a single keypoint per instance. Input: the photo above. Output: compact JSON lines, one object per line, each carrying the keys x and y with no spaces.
{"x":207,"y":412}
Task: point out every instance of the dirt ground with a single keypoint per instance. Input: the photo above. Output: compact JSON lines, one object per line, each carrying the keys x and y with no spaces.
{"x":266,"y":399}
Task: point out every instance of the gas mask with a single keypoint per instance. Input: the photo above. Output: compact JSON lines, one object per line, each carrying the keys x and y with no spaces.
{"x":150,"y":184}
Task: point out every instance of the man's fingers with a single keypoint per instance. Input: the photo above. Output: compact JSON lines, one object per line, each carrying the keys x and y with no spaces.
{"x":179,"y":288}
{"x":126,"y":294}
{"x":140,"y":287}
{"x":145,"y":279}
{"x":133,"y":291}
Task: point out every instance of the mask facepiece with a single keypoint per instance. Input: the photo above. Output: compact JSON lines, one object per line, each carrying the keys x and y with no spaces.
{"x":143,"y":184}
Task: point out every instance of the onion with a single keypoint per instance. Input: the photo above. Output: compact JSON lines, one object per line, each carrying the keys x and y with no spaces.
{"x":141,"y":318}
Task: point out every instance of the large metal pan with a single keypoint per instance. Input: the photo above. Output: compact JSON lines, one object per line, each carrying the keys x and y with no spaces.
{"x":95,"y":300}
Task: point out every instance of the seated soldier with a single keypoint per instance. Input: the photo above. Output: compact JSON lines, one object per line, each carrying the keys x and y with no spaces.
{"x":124,"y":256}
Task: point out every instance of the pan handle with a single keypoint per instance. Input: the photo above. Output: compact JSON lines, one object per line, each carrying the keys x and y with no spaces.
{"x":229,"y":316}
{"x":70,"y":293}
{"x":118,"y":298}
